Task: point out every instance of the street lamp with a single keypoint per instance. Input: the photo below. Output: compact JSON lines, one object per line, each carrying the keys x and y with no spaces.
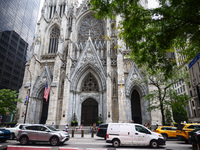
{"x":29,"y":93}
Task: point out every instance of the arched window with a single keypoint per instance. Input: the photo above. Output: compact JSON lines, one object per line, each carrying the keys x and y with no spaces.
{"x":54,"y":37}
{"x":90,"y":84}
{"x":90,"y":26}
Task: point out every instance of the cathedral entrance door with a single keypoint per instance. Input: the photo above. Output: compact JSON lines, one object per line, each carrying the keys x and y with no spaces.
{"x":136,"y":107}
{"x":89,"y":112}
{"x":44,"y":111}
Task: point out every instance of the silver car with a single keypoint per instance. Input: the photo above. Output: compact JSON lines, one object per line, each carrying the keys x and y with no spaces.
{"x":41,"y":133}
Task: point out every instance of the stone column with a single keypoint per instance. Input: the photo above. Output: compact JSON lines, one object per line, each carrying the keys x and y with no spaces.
{"x":121,"y":88}
{"x":109,"y":86}
{"x":66,"y":97}
{"x":54,"y":89}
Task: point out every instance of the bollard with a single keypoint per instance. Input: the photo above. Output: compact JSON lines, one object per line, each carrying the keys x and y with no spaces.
{"x":82,"y":133}
{"x":72,"y":132}
{"x":92,"y":134}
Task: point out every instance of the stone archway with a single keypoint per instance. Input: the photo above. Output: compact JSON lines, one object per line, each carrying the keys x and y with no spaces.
{"x":136,"y":107}
{"x":89,"y":112}
{"x":41,"y":108}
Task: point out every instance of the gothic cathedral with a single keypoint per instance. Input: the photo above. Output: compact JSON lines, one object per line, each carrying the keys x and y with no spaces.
{"x":88,"y":74}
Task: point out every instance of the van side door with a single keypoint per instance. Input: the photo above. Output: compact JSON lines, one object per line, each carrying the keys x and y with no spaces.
{"x":126,"y":134}
{"x":142,"y":135}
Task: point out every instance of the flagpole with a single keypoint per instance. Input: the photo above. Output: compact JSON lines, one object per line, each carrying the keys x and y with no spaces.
{"x":29,"y":93}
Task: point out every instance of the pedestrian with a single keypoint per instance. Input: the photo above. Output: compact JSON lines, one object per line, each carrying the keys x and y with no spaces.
{"x":94,"y":128}
{"x":157,"y":123}
{"x":53,"y":125}
{"x":66,"y":128}
{"x":149,"y":126}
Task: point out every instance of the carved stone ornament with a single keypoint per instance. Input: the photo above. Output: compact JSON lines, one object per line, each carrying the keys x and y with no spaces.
{"x":89,"y":57}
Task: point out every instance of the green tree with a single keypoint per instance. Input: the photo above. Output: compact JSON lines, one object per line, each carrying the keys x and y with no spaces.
{"x":152,"y":33}
{"x":8,"y":101}
{"x":179,"y":103}
{"x":160,"y":98}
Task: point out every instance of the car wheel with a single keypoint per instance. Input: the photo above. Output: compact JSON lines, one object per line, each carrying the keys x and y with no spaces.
{"x":54,"y":141}
{"x":24,"y":140}
{"x":116,"y":143}
{"x":154,"y":144}
{"x":165,"y":137}
{"x":12,"y":136}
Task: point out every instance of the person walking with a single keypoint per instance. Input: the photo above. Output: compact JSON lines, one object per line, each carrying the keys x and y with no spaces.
{"x":66,"y":128}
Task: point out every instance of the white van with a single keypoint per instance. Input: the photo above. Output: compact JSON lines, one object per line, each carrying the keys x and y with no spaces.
{"x":132,"y":134}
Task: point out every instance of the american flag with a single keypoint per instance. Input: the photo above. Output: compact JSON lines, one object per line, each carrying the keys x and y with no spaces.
{"x":46,"y":92}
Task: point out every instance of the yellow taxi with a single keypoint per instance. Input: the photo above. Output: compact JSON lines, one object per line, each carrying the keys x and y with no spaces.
{"x":166,"y":131}
{"x":183,"y":130}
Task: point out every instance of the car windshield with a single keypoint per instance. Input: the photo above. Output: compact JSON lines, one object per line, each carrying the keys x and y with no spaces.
{"x":52,"y":128}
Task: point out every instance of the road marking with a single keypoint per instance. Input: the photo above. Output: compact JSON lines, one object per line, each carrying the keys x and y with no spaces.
{"x":10,"y":147}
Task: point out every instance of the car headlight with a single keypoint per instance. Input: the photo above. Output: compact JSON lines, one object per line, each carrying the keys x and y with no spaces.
{"x":1,"y":132}
{"x":63,"y":135}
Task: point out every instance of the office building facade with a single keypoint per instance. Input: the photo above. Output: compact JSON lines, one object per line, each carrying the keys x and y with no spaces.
{"x":17,"y":29}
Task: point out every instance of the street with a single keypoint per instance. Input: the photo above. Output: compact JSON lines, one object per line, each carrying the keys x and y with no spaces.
{"x":94,"y":143}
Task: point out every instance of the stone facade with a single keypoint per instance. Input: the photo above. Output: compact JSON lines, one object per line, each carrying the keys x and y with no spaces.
{"x":76,"y":55}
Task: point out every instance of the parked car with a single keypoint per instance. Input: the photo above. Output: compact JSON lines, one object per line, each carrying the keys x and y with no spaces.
{"x":102,"y":130}
{"x":183,"y":130}
{"x":132,"y":134}
{"x":193,"y":136}
{"x":4,"y":135}
{"x":41,"y":133}
{"x":14,"y":131}
{"x":166,"y":131}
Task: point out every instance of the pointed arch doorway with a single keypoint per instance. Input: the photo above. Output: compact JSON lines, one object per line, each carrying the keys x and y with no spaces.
{"x":41,"y":109}
{"x":44,"y":113}
{"x":136,"y":107}
{"x":89,"y":112}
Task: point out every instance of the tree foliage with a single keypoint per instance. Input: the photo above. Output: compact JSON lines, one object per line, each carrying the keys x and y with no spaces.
{"x":8,"y":101}
{"x":179,"y":103}
{"x":152,"y":33}
{"x":161,"y":98}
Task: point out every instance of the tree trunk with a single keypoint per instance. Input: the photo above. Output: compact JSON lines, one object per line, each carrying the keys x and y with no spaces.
{"x":163,"y":114}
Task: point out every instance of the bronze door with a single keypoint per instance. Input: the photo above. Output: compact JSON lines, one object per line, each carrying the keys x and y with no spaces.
{"x":89,"y":112}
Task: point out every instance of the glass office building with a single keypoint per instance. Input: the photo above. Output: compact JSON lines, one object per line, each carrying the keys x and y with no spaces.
{"x":18,"y":19}
{"x":20,"y":16}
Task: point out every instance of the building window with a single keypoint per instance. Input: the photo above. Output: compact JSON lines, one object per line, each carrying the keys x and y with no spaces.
{"x":192,"y":103}
{"x":90,"y":84}
{"x":54,"y":37}
{"x":50,"y":12}
{"x":199,"y":112}
{"x":184,"y":88}
{"x":195,"y":113}
{"x":198,"y":65}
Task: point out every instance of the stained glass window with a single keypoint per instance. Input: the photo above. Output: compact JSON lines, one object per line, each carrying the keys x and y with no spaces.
{"x":93,"y":27}
{"x":54,"y":36}
{"x":90,"y":83}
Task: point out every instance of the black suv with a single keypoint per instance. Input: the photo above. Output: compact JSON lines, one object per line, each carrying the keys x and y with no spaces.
{"x":194,"y":136}
{"x":102,"y":130}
